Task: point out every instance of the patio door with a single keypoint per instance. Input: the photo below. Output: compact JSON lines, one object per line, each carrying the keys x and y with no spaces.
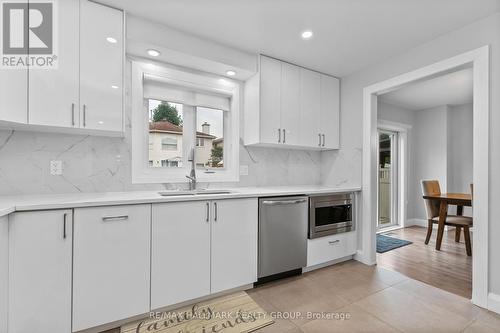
{"x":387,"y":179}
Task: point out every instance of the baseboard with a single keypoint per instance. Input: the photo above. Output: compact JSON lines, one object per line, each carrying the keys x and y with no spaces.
{"x":417,"y":222}
{"x":494,"y":302}
{"x":423,"y":223}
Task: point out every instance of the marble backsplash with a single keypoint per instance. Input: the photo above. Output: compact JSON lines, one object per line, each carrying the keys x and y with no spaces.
{"x":100,"y":164}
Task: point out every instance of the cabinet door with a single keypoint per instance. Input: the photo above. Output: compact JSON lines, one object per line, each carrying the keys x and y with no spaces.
{"x":310,"y":94}
{"x":270,"y":100}
{"x":234,"y":243}
{"x":14,"y":95}
{"x":330,"y":109}
{"x":111,"y":259}
{"x":54,"y":93}
{"x":4,"y":272}
{"x":180,"y":263}
{"x":290,"y":103}
{"x":40,"y":271}
{"x":101,"y":66}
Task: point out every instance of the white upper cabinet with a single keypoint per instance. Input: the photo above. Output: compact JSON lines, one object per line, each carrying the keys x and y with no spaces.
{"x":101,"y":67}
{"x":329,"y":112}
{"x":310,"y":88}
{"x":270,"y":95}
{"x":290,"y":106}
{"x":14,"y":95}
{"x":4,"y":272}
{"x":40,"y":245}
{"x":84,"y":93}
{"x":54,"y":93}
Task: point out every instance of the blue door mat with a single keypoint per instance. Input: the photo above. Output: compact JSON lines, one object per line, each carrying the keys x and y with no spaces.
{"x":386,"y":243}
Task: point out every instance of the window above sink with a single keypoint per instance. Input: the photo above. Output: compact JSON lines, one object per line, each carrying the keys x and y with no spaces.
{"x":175,"y":111}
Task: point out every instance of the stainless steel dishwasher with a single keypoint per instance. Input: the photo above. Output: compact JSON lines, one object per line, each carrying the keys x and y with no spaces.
{"x":283,"y":223}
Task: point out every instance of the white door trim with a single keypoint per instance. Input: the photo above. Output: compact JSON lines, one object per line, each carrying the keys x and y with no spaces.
{"x":479,"y":59}
{"x":403,"y":166}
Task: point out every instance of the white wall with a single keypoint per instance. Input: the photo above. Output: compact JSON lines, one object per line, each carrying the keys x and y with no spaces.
{"x":460,"y":148}
{"x":430,"y":154}
{"x":478,"y":34}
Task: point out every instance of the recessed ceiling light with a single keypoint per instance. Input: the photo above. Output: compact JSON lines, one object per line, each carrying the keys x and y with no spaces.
{"x":114,"y":87}
{"x":307,"y":34}
{"x":231,"y":73}
{"x":153,"y":53}
{"x":111,"y":40}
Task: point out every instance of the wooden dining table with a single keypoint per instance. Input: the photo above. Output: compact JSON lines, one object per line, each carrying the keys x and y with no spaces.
{"x":445,"y":199}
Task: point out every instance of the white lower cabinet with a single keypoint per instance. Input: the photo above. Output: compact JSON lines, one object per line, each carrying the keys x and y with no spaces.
{"x":4,"y":272}
{"x":40,"y":271}
{"x":328,"y":248}
{"x":180,"y":262}
{"x":202,"y":247}
{"x":111,"y":264}
{"x":234,"y":243}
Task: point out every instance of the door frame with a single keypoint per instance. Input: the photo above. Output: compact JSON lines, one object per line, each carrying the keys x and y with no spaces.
{"x":402,"y":166}
{"x":479,"y":59}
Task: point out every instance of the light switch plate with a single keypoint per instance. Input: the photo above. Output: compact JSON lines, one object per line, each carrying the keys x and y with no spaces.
{"x":56,"y":168}
{"x":243,"y":170}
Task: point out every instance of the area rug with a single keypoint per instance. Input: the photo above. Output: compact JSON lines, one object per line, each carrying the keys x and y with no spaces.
{"x":235,"y":313}
{"x":386,"y":243}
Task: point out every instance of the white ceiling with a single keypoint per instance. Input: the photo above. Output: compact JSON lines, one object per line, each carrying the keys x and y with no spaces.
{"x":348,"y":34}
{"x":450,"y":89}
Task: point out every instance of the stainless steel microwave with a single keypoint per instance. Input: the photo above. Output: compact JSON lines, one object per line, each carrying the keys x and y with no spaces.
{"x":331,"y":214}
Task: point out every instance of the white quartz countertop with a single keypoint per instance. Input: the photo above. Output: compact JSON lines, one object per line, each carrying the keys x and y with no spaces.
{"x":10,"y":204}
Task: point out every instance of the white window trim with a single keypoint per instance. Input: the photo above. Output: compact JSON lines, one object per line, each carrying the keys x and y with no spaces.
{"x":141,"y":172}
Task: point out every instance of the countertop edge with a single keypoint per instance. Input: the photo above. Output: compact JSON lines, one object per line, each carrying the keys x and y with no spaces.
{"x":19,"y":206}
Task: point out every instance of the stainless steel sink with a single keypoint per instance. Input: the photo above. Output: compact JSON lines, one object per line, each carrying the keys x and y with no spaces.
{"x":194,"y":192}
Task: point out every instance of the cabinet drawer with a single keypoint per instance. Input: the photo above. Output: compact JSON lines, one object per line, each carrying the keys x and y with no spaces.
{"x":324,"y":249}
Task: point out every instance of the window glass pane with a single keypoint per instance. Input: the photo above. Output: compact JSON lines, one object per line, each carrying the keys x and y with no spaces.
{"x":209,"y":138}
{"x":165,"y":134}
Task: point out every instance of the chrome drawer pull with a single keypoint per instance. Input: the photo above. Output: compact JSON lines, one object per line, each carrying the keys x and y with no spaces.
{"x":334,"y":242}
{"x":115,"y":218}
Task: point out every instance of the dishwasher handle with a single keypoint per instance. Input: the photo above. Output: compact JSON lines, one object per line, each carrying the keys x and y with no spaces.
{"x":283,"y":202}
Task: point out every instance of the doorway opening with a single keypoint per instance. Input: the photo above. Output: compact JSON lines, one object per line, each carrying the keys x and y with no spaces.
{"x":388,"y":192}
{"x":478,"y":60}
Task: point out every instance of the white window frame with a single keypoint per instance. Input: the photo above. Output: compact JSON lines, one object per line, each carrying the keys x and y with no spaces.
{"x":141,"y":172}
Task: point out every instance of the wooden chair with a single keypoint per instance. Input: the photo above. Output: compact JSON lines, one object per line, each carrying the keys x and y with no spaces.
{"x":431,"y":187}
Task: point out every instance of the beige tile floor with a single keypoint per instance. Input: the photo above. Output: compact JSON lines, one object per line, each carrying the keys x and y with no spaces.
{"x":375,"y":299}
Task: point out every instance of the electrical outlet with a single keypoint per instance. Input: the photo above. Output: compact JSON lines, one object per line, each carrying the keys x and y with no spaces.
{"x":56,"y":168}
{"x":243,"y":170}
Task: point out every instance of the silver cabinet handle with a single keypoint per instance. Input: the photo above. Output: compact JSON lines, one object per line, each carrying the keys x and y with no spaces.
{"x":284,"y":136}
{"x":279,"y":135}
{"x":208,"y":213}
{"x":282,"y":202}
{"x":64,"y":225}
{"x":84,"y":115}
{"x":215,"y":212}
{"x":72,"y":114}
{"x":115,"y":218}
{"x":334,"y":242}
{"x":319,"y":142}
{"x":323,"y":140}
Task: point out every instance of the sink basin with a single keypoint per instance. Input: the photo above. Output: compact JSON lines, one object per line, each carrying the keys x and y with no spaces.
{"x":195,"y":192}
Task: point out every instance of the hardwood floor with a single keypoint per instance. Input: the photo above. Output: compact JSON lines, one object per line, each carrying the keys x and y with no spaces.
{"x":449,"y":269}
